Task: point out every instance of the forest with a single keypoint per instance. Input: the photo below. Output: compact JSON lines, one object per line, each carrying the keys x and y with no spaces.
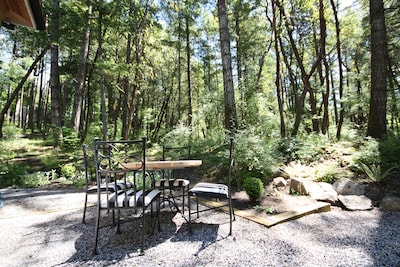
{"x":281,"y":75}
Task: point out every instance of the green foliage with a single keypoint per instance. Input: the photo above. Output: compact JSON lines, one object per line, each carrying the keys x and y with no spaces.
{"x":327,"y":177}
{"x":38,"y":179}
{"x":254,"y":188}
{"x":68,"y":170}
{"x":70,"y":140}
{"x":289,"y":149}
{"x":375,"y":172}
{"x":12,"y":174}
{"x":180,"y":136}
{"x":389,"y":149}
{"x":252,"y":156}
{"x":268,"y":210}
{"x":368,"y":153}
{"x":11,"y":131}
{"x":328,"y":174}
{"x":79,"y":180}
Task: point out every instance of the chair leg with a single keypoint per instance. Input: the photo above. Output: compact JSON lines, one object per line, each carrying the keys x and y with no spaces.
{"x":230,"y":216}
{"x":190,"y":215}
{"x":96,"y":231}
{"x":84,"y":209}
{"x":158,"y":213}
{"x":183,"y":200}
{"x":197,"y":205}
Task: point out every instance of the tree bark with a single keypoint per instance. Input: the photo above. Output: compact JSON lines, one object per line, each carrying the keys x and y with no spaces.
{"x":81,"y":74}
{"x":279,"y":92}
{"x":56,"y":100}
{"x":379,"y":68}
{"x":18,"y":88}
{"x":188,"y":70}
{"x":231,"y":121}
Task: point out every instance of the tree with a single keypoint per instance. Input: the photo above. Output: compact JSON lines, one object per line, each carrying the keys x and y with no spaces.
{"x":379,"y":70}
{"x":229,"y":95}
{"x":81,"y":74}
{"x":18,"y":88}
{"x":56,"y":100}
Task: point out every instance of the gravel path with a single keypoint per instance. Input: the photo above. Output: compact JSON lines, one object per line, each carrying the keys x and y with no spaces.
{"x":43,"y":228}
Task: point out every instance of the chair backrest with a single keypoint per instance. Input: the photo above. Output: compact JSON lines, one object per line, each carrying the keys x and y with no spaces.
{"x":112,"y":158}
{"x":88,"y":165}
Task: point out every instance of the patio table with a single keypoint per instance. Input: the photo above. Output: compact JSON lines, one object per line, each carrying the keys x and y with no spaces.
{"x":160,"y":165}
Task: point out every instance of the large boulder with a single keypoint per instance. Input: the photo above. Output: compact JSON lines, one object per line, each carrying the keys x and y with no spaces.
{"x":322,"y":192}
{"x":390,"y":203}
{"x":279,"y":182}
{"x":318,"y":191}
{"x":346,"y":186}
{"x":299,"y":186}
{"x":354,"y":202}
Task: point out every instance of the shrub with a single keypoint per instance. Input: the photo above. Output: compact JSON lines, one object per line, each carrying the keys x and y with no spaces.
{"x":254,"y":188}
{"x":368,"y":154}
{"x":12,"y":174}
{"x":291,"y":149}
{"x":38,"y":179}
{"x":68,"y":170}
{"x":252,"y":156}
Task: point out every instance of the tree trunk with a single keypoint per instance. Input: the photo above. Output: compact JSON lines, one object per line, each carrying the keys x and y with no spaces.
{"x":379,"y":68}
{"x":56,"y":100}
{"x":18,"y":88}
{"x":305,"y":77}
{"x":339,"y":54}
{"x":278,"y":82}
{"x":188,"y":70}
{"x":231,"y":121}
{"x":81,"y":74}
{"x":101,"y":78}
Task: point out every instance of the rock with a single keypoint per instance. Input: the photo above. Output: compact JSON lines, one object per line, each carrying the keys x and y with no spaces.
{"x":322,"y":192}
{"x":392,"y":180}
{"x":279,"y":182}
{"x":298,"y":186}
{"x":346,"y":186}
{"x":390,"y":203}
{"x":354,"y":202}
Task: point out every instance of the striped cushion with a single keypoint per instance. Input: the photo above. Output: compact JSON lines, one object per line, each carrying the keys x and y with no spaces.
{"x":129,"y":199}
{"x":111,"y":187}
{"x":168,"y":183}
{"x":210,"y":190}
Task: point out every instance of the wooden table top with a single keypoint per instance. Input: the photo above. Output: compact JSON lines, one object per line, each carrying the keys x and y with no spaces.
{"x":163,"y":164}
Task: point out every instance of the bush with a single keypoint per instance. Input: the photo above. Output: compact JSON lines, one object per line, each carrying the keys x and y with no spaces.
{"x":290,"y":149}
{"x":252,"y":156}
{"x":254,"y":188}
{"x":68,"y":171}
{"x":38,"y":179}
{"x":12,"y":174}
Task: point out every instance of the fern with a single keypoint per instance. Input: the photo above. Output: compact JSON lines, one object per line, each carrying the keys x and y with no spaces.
{"x":375,"y":173}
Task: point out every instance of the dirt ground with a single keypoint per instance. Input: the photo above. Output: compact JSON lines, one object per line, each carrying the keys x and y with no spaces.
{"x":273,"y":202}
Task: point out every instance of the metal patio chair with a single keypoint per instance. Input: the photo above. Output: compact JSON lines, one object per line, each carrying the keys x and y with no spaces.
{"x":214,"y":191}
{"x":110,"y":160}
{"x":173,"y":184}
{"x":90,"y":179}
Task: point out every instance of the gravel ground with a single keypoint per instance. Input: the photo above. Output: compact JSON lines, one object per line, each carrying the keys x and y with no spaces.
{"x":44,"y":228}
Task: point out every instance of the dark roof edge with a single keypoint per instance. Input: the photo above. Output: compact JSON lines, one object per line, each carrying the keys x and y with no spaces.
{"x":37,"y":14}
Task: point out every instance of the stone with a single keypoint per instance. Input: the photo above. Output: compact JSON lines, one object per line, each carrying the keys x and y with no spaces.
{"x":390,"y":203}
{"x":346,"y":186}
{"x":298,"y":186}
{"x":354,"y":202}
{"x":322,"y":192}
{"x":279,"y":182}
